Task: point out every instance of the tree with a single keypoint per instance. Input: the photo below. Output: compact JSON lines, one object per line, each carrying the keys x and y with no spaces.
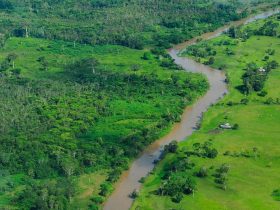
{"x":43,"y":62}
{"x":147,"y":56}
{"x":178,"y":183}
{"x":211,"y":60}
{"x":11,"y":59}
{"x":232,"y":32}
{"x":134,"y":194}
{"x":6,"y":5}
{"x":172,"y":147}
{"x":235,"y":126}
{"x":211,"y":153}
{"x":224,"y":168}
{"x":221,"y":176}
{"x":135,"y":67}
{"x":177,"y":197}
{"x":16,"y":71}
{"x":222,"y":180}
{"x":68,"y":166}
{"x":175,"y":78}
{"x":203,"y":172}
{"x":105,"y":188}
{"x":83,"y":69}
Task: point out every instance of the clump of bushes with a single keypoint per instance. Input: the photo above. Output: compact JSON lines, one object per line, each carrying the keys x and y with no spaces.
{"x":263,"y":93}
{"x":254,"y":77}
{"x":276,"y":194}
{"x":177,"y":185}
{"x":203,"y":150}
{"x":202,"y":172}
{"x":221,"y":176}
{"x":252,"y":153}
{"x":134,"y":194}
{"x":171,"y":147}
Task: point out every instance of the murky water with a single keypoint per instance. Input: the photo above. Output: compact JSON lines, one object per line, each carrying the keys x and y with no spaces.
{"x":129,"y":180}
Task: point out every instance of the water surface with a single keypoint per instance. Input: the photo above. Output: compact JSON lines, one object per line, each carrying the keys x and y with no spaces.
{"x":129,"y":181}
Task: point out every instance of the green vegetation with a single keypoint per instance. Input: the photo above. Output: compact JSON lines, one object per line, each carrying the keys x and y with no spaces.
{"x":244,"y":173}
{"x":77,"y":110}
{"x":130,"y":23}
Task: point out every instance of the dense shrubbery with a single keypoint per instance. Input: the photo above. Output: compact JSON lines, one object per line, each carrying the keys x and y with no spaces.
{"x":221,"y":176}
{"x":255,"y":77}
{"x":34,"y":111}
{"x":52,"y":195}
{"x":268,"y":28}
{"x":176,"y":185}
{"x":203,"y":150}
{"x":176,"y":181}
{"x":178,"y":175}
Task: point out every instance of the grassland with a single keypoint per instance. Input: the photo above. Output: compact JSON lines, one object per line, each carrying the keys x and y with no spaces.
{"x":251,"y":180}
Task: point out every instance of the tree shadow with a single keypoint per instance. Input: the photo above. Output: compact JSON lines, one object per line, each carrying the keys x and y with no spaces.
{"x":240,"y":88}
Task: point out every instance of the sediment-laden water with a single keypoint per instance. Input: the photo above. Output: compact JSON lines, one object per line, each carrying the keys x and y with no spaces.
{"x":129,"y":181}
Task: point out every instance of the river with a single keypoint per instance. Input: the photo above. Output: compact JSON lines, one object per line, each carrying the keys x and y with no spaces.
{"x":129,"y":181}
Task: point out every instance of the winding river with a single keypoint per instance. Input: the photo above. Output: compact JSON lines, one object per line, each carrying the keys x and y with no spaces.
{"x":129,"y":181}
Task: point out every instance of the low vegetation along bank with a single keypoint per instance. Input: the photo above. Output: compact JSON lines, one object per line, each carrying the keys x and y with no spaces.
{"x":237,"y":167}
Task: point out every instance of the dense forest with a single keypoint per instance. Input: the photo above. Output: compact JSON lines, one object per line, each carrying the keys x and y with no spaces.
{"x":69,"y":110}
{"x":85,"y":86}
{"x":132,"y":23}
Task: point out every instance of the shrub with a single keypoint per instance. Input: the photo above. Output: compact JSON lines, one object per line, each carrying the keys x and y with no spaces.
{"x":266,"y":58}
{"x":230,"y":103}
{"x":83,"y":69}
{"x":16,"y":71}
{"x":224,"y":168}
{"x":235,"y":126}
{"x":269,"y":101}
{"x":178,"y":183}
{"x":142,"y":180}
{"x":134,"y":67}
{"x":221,"y":179}
{"x":134,"y":194}
{"x":97,"y":199}
{"x":177,"y":198}
{"x":210,"y":61}
{"x":93,"y":206}
{"x":105,"y":189}
{"x":203,"y":172}
{"x":211,"y":153}
{"x":244,"y":101}
{"x":227,"y":153}
{"x":276,"y":194}
{"x":147,"y":56}
{"x":263,"y":93}
{"x":172,"y":147}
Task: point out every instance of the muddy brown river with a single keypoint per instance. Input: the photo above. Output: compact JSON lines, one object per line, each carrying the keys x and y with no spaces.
{"x":129,"y":181}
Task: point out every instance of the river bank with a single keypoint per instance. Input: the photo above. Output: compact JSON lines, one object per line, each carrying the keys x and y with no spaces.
{"x":145,"y":163}
{"x":251,"y":152}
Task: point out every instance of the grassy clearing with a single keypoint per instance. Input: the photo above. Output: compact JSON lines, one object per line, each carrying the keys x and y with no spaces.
{"x":251,"y":180}
{"x":59,"y":53}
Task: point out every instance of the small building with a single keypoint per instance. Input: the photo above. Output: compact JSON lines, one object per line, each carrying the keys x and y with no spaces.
{"x":226,"y":126}
{"x":261,"y":69}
